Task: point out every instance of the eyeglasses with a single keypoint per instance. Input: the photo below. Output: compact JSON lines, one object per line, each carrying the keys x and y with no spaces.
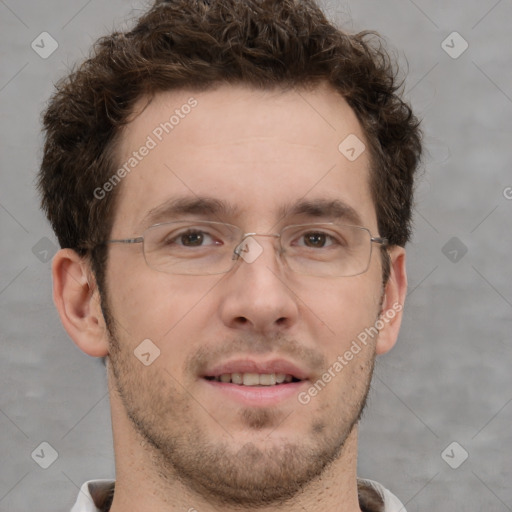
{"x":207,"y":248}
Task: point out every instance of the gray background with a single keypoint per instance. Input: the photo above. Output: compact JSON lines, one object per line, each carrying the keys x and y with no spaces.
{"x":449,"y":377}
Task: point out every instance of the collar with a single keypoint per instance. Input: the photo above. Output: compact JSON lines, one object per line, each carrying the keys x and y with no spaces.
{"x":94,"y":495}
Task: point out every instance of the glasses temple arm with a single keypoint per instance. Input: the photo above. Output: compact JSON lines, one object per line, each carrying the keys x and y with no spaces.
{"x":137,"y":240}
{"x":379,"y":240}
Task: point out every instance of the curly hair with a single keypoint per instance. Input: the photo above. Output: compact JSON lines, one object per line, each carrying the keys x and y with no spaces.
{"x":198,"y":45}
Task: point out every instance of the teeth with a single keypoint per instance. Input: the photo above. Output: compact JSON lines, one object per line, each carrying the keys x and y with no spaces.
{"x":280,"y":378}
{"x":236,"y":378}
{"x":267,"y":379}
{"x":251,"y":379}
{"x":254,"y":379}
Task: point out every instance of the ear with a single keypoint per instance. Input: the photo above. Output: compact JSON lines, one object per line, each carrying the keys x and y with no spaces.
{"x":77,"y":299}
{"x":393,"y":303}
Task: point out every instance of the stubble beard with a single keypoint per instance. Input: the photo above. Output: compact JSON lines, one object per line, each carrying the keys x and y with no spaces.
{"x":221,"y":472}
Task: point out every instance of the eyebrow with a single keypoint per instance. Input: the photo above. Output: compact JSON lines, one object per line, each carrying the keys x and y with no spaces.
{"x":332,"y":209}
{"x":177,"y":207}
{"x":325,"y":208}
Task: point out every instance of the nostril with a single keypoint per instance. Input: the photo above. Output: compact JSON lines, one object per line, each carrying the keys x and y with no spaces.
{"x":241,"y":320}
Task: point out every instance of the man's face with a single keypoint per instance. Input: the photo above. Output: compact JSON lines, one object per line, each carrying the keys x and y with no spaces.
{"x":257,"y":153}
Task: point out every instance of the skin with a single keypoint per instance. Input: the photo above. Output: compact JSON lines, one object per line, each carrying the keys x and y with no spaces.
{"x":178,"y":443}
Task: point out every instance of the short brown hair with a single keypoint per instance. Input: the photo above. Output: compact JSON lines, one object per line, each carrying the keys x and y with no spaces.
{"x":199,"y":45}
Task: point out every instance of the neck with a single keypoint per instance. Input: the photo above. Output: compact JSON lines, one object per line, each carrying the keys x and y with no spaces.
{"x":141,"y":486}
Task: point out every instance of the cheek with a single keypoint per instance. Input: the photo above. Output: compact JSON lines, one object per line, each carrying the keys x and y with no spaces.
{"x":150,"y":396}
{"x":157,"y":306}
{"x":343,"y":307}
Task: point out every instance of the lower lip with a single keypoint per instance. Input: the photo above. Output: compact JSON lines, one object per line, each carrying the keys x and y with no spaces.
{"x":263,"y":396}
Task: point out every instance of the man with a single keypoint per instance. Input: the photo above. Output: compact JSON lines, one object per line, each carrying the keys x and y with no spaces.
{"x":231,"y":185}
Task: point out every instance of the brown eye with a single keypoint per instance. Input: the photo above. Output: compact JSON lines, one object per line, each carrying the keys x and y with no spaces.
{"x":192,"y":239}
{"x":315,"y":240}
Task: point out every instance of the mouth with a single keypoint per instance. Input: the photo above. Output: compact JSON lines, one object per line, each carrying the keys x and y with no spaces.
{"x":254,"y":379}
{"x":255,"y":383}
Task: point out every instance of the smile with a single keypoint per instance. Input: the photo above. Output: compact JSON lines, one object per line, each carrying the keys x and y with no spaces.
{"x":254,"y":379}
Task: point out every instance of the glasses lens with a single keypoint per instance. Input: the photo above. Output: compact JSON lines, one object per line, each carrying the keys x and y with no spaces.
{"x":329,"y":250}
{"x":190,"y":248}
{"x":207,"y":248}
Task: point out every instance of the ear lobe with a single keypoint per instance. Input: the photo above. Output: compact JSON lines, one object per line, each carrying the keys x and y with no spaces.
{"x":77,"y":300}
{"x":393,"y":303}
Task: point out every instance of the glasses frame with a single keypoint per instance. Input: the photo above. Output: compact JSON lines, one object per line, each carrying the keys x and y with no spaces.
{"x":382,"y":241}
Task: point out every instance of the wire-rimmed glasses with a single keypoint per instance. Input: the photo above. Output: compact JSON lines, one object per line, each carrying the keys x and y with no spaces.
{"x":189,"y":247}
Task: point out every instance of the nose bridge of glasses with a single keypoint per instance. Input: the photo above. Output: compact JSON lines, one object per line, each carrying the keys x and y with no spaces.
{"x":273,"y":235}
{"x":242,"y":245}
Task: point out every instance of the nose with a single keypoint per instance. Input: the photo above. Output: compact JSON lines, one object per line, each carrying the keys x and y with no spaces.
{"x":255,"y":294}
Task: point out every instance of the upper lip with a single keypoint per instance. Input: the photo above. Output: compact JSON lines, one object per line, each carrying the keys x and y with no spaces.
{"x":261,"y":367}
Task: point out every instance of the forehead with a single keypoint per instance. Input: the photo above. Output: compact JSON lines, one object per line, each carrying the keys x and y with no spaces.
{"x":257,"y":151}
